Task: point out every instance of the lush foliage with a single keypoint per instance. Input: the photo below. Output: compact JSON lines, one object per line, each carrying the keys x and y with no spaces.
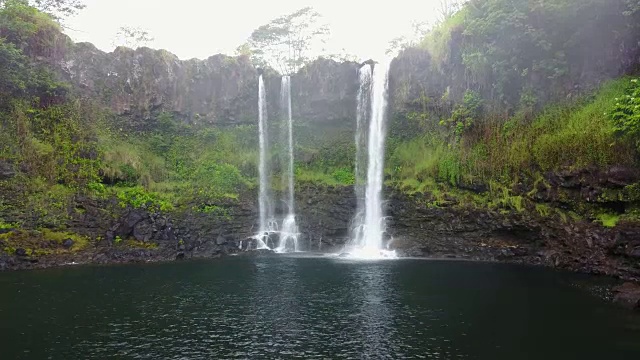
{"x":509,"y":49}
{"x":578,"y":135}
{"x":626,"y":112}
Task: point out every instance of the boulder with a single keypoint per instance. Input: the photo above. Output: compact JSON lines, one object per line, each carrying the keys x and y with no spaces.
{"x":67,"y":244}
{"x":627,"y":295}
{"x":143,"y":231}
{"x":6,"y":170}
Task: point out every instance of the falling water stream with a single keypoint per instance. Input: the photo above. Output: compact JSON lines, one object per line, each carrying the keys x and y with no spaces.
{"x":370,"y":227}
{"x":289,"y":230}
{"x":265,"y":204}
{"x":362,"y":116}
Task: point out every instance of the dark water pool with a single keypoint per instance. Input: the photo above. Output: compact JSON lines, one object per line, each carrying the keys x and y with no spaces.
{"x":301,"y":307}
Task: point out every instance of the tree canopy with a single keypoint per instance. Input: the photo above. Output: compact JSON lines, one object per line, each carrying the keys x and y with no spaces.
{"x":132,"y":37}
{"x":286,"y":42}
{"x":58,"y":9}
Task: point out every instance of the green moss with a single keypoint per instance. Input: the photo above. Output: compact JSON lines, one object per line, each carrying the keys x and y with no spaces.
{"x":43,"y":242}
{"x":4,"y":225}
{"x":79,"y":241}
{"x":139,"y":244}
{"x":608,"y":220}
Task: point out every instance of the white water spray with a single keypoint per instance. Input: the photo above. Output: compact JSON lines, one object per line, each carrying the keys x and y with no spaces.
{"x":289,"y":232}
{"x":264,"y":198}
{"x":362,"y":117}
{"x":370,"y":228}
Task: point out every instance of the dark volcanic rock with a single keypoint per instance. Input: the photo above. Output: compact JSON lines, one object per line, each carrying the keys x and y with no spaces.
{"x":627,"y":295}
{"x":6,"y":170}
{"x":139,"y":84}
{"x":143,"y":231}
{"x":67,"y":244}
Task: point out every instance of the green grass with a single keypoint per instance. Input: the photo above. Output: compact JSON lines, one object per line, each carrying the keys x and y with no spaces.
{"x":576,"y":135}
{"x":437,"y":40}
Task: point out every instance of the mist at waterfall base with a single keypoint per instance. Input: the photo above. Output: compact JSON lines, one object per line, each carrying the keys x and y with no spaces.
{"x":287,"y":232}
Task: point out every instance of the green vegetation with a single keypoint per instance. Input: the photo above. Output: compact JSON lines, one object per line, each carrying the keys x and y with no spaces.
{"x":626,"y":113}
{"x":506,"y":119}
{"x":61,"y":147}
{"x":515,"y":98}
{"x":42,"y":242}
{"x":608,"y":220}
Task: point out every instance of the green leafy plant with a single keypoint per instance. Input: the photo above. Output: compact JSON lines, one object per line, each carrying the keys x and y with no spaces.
{"x":626,"y":112}
{"x":138,"y":197}
{"x":464,"y":114}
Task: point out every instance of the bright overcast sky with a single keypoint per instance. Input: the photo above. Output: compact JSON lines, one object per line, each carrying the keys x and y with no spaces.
{"x":200,"y":28}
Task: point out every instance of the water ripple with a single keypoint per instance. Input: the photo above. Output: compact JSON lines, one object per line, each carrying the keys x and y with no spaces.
{"x":307,"y":308}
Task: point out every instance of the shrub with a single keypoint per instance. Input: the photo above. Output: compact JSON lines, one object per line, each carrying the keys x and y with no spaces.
{"x":626,"y":112}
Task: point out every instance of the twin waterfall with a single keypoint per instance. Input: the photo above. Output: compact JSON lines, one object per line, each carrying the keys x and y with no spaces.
{"x":369,"y":223}
{"x":287,"y":234}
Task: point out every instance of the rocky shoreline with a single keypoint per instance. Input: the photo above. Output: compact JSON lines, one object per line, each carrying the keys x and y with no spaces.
{"x":450,"y":230}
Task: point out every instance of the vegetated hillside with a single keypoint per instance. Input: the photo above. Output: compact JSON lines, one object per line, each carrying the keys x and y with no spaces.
{"x":99,"y":148}
{"x":523,"y":106}
{"x":502,"y":122}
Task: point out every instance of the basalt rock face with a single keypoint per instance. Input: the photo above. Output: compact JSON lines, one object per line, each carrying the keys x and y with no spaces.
{"x":140,"y":83}
{"x":324,"y":216}
{"x":481,"y":234}
{"x":222,"y":90}
{"x":324,"y":92}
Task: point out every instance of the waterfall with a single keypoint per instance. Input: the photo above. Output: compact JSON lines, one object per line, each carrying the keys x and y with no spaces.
{"x":264,"y":199}
{"x":368,"y":240}
{"x":289,"y":232}
{"x":362,"y":115}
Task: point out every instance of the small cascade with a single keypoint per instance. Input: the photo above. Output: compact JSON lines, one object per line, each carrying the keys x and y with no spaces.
{"x":265,"y":205}
{"x":370,"y":227}
{"x":289,"y":231}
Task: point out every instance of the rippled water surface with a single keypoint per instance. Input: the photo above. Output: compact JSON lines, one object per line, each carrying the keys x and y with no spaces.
{"x":304,"y":307}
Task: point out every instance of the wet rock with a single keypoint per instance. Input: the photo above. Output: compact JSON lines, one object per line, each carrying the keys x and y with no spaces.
{"x":142,"y":231}
{"x":627,"y":295}
{"x":68,"y":243}
{"x":6,"y":170}
{"x":622,"y":176}
{"x":221,"y":240}
{"x":124,"y":228}
{"x":21,"y":252}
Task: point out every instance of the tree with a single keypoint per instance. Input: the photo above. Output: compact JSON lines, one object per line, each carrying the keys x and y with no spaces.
{"x":343,"y":56}
{"x":448,"y":8}
{"x":58,"y":9}
{"x":285,"y":42}
{"x":420,"y":30}
{"x":132,"y":37}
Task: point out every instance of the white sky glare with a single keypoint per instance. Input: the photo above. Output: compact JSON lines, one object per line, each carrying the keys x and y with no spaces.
{"x":200,"y":28}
